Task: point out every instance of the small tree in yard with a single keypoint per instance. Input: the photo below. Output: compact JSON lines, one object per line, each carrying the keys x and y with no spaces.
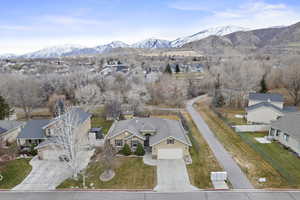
{"x":139,"y":150}
{"x":5,"y":110}
{"x":168,"y":69}
{"x":126,"y":151}
{"x":263,"y":85}
{"x":177,"y":68}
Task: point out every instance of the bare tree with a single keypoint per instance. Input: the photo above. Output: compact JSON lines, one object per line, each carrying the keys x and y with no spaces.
{"x":108,"y":160}
{"x":292,"y":82}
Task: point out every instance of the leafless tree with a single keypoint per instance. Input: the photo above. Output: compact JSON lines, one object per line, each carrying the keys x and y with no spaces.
{"x":291,"y":78}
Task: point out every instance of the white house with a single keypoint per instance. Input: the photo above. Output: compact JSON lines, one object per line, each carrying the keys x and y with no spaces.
{"x":266,"y":107}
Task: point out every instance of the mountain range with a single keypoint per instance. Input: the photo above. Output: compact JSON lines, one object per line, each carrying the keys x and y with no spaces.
{"x":213,"y":41}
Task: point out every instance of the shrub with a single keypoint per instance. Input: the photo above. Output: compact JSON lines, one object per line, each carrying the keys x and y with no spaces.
{"x":139,"y":150}
{"x":126,"y":151}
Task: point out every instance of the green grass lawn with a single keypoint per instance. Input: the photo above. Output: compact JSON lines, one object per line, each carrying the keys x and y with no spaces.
{"x":14,"y":172}
{"x":229,"y":115}
{"x":283,"y":160}
{"x":250,"y":161}
{"x":131,"y":173}
{"x":204,"y":161}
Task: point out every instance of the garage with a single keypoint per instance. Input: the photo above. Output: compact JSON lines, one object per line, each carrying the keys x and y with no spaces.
{"x":170,"y":153}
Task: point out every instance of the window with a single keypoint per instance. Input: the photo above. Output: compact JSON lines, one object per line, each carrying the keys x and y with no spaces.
{"x":286,"y":137}
{"x":134,"y":143}
{"x":170,"y":141}
{"x":278,"y":133}
{"x":119,"y":143}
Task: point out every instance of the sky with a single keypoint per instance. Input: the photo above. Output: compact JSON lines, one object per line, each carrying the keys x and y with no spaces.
{"x":29,"y":25}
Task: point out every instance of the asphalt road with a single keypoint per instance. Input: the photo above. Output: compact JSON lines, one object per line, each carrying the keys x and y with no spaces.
{"x":235,"y":175}
{"x":202,"y":195}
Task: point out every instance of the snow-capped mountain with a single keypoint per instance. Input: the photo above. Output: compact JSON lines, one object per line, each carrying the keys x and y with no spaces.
{"x":107,"y":47}
{"x":152,"y":43}
{"x":7,"y":55}
{"x":55,"y":51}
{"x":219,"y":31}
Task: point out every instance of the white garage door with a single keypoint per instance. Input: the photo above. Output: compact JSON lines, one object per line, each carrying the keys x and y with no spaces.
{"x":169,"y":153}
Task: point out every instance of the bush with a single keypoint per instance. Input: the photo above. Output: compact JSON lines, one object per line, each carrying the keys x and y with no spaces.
{"x":139,"y":150}
{"x":126,"y":151}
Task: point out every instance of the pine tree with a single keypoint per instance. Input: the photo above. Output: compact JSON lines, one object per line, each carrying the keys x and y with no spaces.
{"x":139,"y":150}
{"x":126,"y":151}
{"x":177,"y":68}
{"x":168,"y":69}
{"x":263,"y":85}
{"x":5,"y":110}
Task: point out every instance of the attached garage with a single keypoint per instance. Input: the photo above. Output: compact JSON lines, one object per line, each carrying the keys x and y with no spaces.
{"x":169,"y":153}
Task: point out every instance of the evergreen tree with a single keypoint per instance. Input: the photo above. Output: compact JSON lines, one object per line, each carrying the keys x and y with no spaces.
{"x":126,"y":151}
{"x":263,"y":85}
{"x":5,"y":110}
{"x":177,"y":68}
{"x":139,"y":150}
{"x":168,"y":69}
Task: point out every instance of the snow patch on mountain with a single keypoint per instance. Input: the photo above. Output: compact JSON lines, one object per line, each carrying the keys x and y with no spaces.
{"x":152,"y":43}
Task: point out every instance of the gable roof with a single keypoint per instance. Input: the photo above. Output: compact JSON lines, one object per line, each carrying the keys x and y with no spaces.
{"x":265,"y":97}
{"x":290,"y":124}
{"x":164,"y":128}
{"x":263,"y":104}
{"x":7,"y":125}
{"x":34,"y":129}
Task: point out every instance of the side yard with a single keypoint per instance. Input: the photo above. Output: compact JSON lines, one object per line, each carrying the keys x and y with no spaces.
{"x":250,"y":161}
{"x":131,"y":173}
{"x":283,"y":160}
{"x":13,"y":172}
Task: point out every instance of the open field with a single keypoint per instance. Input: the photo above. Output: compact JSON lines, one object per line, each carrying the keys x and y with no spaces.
{"x":131,"y":173}
{"x":204,"y":161}
{"x":228,"y":114}
{"x":283,"y":160}
{"x":251,"y":162}
{"x":13,"y":172}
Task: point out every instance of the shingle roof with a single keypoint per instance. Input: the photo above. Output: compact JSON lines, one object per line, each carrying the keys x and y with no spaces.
{"x":265,"y":97}
{"x":34,"y":129}
{"x":290,"y":109}
{"x":164,"y":128}
{"x":290,"y":124}
{"x":6,"y":125}
{"x":263,"y":104}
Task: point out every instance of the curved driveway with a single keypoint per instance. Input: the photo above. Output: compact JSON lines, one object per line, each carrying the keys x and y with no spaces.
{"x":235,"y":175}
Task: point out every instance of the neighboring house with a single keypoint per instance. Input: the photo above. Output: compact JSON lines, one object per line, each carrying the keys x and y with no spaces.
{"x":164,"y":138}
{"x":286,"y":130}
{"x":42,"y":133}
{"x":96,"y":137}
{"x":9,"y":130}
{"x":265,"y":107}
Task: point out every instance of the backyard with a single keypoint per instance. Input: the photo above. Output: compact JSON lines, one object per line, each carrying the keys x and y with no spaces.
{"x":131,"y":173}
{"x":13,"y":172}
{"x":250,"y":161}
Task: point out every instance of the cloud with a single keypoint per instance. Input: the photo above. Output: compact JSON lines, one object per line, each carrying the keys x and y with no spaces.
{"x":68,"y":20}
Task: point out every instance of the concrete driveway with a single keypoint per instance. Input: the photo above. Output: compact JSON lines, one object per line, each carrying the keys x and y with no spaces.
{"x":172,"y":176}
{"x":48,"y":174}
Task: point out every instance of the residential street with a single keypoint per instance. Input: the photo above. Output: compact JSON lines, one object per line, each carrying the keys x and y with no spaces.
{"x":172,"y":176}
{"x":237,"y":178}
{"x":115,"y":195}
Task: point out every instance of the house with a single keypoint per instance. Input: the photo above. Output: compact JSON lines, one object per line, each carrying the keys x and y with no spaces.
{"x":265,"y":107}
{"x":164,"y":138}
{"x":9,"y":130}
{"x":286,"y":130}
{"x":96,"y":137}
{"x":42,"y":133}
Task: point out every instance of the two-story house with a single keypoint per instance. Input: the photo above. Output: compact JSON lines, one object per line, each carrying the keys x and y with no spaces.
{"x":266,"y":107}
{"x":41,"y":133}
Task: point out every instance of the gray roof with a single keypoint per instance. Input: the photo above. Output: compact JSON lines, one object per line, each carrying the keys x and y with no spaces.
{"x":7,"y":125}
{"x":290,"y":109}
{"x":290,"y":124}
{"x":266,"y":97}
{"x":34,"y":129}
{"x":164,"y":128}
{"x":263,"y":104}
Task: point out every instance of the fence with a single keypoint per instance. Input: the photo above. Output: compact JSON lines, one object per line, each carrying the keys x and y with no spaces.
{"x":251,"y":128}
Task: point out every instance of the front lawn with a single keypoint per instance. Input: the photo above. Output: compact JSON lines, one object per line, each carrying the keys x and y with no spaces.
{"x":14,"y":172}
{"x":229,"y":115}
{"x":204,"y":161}
{"x":283,"y":160}
{"x":250,"y":161}
{"x":131,"y":173}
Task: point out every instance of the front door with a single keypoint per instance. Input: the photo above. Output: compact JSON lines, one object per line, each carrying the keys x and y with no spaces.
{"x":146,"y":142}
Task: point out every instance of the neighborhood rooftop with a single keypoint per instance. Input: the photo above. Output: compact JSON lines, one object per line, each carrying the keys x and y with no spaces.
{"x":266,"y":97}
{"x":6,"y":125}
{"x":164,"y":128}
{"x":289,"y":123}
